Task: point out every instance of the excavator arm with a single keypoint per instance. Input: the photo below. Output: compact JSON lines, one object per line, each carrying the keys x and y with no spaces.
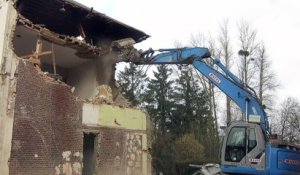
{"x":242,"y":95}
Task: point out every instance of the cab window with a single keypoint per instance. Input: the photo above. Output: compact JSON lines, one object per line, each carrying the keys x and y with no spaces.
{"x":251,"y":139}
{"x":236,"y":144}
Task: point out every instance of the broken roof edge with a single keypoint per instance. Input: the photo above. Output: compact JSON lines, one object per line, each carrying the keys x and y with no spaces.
{"x":84,"y":49}
{"x":72,"y":2}
{"x":92,"y":19}
{"x":99,"y":14}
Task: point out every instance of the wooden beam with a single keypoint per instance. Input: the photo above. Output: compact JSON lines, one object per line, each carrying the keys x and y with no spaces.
{"x":36,"y":55}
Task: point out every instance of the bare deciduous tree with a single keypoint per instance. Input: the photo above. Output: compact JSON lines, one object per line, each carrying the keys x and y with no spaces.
{"x":197,"y":40}
{"x":290,"y":121}
{"x":267,"y":82}
{"x":248,"y":46}
{"x":226,"y":54}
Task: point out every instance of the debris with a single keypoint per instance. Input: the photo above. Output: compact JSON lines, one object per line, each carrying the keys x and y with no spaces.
{"x":73,"y":89}
{"x":50,"y":78}
{"x":80,"y":38}
{"x":121,"y":101}
{"x":125,"y":50}
{"x":207,"y":169}
{"x":104,"y":95}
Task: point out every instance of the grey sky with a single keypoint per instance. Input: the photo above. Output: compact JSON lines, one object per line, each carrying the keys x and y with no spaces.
{"x":277,"y":23}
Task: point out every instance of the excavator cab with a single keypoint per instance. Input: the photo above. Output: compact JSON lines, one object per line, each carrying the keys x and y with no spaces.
{"x":243,"y":149}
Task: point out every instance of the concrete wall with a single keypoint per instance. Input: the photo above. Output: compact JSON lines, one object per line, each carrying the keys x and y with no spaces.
{"x":4,"y":6}
{"x":47,"y":134}
{"x":122,"y":147}
{"x":8,"y":64}
{"x":114,"y":117}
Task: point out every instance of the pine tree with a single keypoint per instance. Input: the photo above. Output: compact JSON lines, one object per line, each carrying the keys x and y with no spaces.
{"x":193,"y":115}
{"x":191,"y":102}
{"x":132,"y":81}
{"x":158,"y":98}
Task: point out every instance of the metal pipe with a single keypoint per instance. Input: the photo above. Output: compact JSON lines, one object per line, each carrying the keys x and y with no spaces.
{"x":247,"y":104}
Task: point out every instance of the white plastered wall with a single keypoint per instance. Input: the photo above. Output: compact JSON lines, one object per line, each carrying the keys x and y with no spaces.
{"x":8,"y":63}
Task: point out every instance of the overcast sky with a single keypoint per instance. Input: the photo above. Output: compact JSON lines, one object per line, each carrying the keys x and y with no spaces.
{"x":277,"y":23}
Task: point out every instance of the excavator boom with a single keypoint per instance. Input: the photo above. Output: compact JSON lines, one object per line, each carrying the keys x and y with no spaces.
{"x":242,"y":95}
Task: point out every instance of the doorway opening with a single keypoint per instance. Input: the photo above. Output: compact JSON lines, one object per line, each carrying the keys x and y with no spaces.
{"x":89,"y":153}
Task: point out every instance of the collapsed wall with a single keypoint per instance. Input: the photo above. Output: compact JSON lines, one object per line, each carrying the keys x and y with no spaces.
{"x":68,"y":114}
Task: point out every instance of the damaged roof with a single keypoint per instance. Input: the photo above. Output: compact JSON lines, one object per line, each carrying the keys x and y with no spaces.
{"x":71,"y":18}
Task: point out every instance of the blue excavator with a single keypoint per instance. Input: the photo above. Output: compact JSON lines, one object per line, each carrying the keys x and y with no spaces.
{"x":248,"y":147}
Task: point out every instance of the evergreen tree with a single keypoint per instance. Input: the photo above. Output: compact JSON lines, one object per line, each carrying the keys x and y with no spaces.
{"x":191,"y":102}
{"x":158,"y":98}
{"x":159,"y":102}
{"x":193,"y":115}
{"x":132,"y":81}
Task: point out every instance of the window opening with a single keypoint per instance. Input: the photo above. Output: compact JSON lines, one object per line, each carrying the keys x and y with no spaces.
{"x":89,"y":153}
{"x":236,"y":145}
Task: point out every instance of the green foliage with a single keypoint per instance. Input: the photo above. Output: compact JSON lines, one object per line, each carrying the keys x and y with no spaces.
{"x":187,"y":150}
{"x":194,"y":115}
{"x":163,"y":154}
{"x":132,"y":81}
{"x":191,"y":102}
{"x":172,"y":155}
{"x":158,"y":98}
{"x":194,"y":153}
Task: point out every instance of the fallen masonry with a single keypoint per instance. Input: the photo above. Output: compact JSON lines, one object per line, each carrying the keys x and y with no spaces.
{"x":61,"y":111}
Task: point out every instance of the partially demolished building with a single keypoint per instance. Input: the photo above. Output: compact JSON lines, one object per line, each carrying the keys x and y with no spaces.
{"x":60,"y":109}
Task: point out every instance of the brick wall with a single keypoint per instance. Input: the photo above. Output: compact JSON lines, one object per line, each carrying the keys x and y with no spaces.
{"x":109,"y":151}
{"x":119,"y":152}
{"x":47,"y":123}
